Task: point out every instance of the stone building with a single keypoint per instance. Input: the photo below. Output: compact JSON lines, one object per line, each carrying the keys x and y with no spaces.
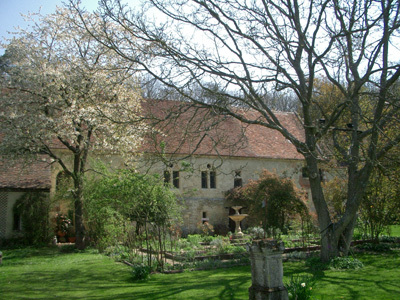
{"x":201,"y":153}
{"x":17,"y":178}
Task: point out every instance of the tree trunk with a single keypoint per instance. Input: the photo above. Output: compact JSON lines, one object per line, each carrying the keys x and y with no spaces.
{"x":80,"y":230}
{"x":346,"y":237}
{"x":328,"y":231}
{"x":329,"y":244}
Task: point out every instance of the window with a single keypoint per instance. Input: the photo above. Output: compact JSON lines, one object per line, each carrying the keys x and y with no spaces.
{"x":237,"y":181}
{"x":204,"y":217}
{"x":208,"y":180}
{"x":204,"y":180}
{"x":175,"y":179}
{"x":213,"y":180}
{"x":167,"y":177}
{"x":17,"y":224}
{"x":304,"y":172}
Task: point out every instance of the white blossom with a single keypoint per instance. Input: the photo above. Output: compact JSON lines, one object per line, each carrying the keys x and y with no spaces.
{"x":62,"y":86}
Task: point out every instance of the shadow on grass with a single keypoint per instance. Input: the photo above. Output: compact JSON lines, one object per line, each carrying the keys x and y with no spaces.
{"x":85,"y":276}
{"x":377,"y":280}
{"x":229,"y":283}
{"x":49,"y":274}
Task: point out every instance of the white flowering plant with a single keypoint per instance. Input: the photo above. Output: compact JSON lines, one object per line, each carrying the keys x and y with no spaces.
{"x":300,"y":287}
{"x":65,"y":95}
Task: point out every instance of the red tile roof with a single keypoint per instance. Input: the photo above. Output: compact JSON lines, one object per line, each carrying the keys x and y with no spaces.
{"x":20,"y":175}
{"x":201,"y":131}
{"x":186,"y":130}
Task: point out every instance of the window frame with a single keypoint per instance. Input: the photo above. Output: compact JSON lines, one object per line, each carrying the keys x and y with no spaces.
{"x":204,"y":179}
{"x":175,"y":179}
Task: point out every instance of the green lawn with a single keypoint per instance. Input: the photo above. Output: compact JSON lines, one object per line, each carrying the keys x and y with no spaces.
{"x":395,"y":230}
{"x":49,"y":274}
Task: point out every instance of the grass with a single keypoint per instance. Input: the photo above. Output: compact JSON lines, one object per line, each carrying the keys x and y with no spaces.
{"x":50,"y":274}
{"x":395,"y":230}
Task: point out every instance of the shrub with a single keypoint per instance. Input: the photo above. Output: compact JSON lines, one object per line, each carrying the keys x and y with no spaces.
{"x":140,"y":272}
{"x":374,"y":247}
{"x":205,"y":228}
{"x":389,"y":239}
{"x":345,"y":263}
{"x":236,"y":249}
{"x":34,"y":210}
{"x":218,"y":243}
{"x":207,"y":239}
{"x":270,"y":201}
{"x":300,"y":287}
{"x":194,"y":239}
{"x":257,"y":232}
{"x":315,"y":263}
{"x":190,"y":255}
{"x":68,"y":248}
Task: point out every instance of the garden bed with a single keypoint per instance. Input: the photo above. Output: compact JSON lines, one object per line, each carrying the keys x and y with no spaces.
{"x":223,"y":256}
{"x":201,"y":255}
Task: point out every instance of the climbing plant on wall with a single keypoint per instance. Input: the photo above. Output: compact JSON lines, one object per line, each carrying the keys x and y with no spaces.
{"x":33,"y":209}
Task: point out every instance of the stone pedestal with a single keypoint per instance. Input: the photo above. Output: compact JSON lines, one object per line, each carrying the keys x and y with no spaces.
{"x":267,"y":271}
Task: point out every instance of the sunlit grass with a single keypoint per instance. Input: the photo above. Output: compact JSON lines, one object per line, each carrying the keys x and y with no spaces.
{"x":48,"y":274}
{"x":395,"y":230}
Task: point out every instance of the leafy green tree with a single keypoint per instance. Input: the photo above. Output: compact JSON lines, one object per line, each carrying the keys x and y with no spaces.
{"x":380,"y":206}
{"x":124,"y":204}
{"x":33,"y":209}
{"x":271,"y":201}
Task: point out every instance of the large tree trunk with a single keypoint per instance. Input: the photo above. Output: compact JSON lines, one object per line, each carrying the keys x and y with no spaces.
{"x":80,"y":230}
{"x":79,"y":167}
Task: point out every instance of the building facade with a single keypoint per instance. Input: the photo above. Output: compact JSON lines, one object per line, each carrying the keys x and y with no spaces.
{"x":201,"y":155}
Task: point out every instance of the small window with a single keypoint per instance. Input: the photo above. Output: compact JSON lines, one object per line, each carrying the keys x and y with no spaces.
{"x":204,"y":180}
{"x":304,"y":172}
{"x":167,"y":177}
{"x":237,"y":181}
{"x":204,"y":218}
{"x":213,"y":180}
{"x":17,"y":225}
{"x":175,"y":179}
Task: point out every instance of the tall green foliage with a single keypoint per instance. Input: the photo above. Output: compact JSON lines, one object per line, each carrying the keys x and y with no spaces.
{"x":379,"y":208}
{"x":270,"y":200}
{"x":381,"y":205}
{"x":34,"y":207}
{"x":130,"y":208}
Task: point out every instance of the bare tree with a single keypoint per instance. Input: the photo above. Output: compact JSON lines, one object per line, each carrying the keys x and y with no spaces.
{"x":251,"y":48}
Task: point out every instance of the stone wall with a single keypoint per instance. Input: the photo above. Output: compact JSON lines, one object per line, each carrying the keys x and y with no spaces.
{"x":208,"y":204}
{"x":3,"y":214}
{"x":7,"y":202}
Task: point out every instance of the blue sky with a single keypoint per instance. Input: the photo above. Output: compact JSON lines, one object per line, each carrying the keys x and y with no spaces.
{"x":10,"y":12}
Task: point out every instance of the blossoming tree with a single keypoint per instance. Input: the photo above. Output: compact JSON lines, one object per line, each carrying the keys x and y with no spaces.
{"x":62,"y":92}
